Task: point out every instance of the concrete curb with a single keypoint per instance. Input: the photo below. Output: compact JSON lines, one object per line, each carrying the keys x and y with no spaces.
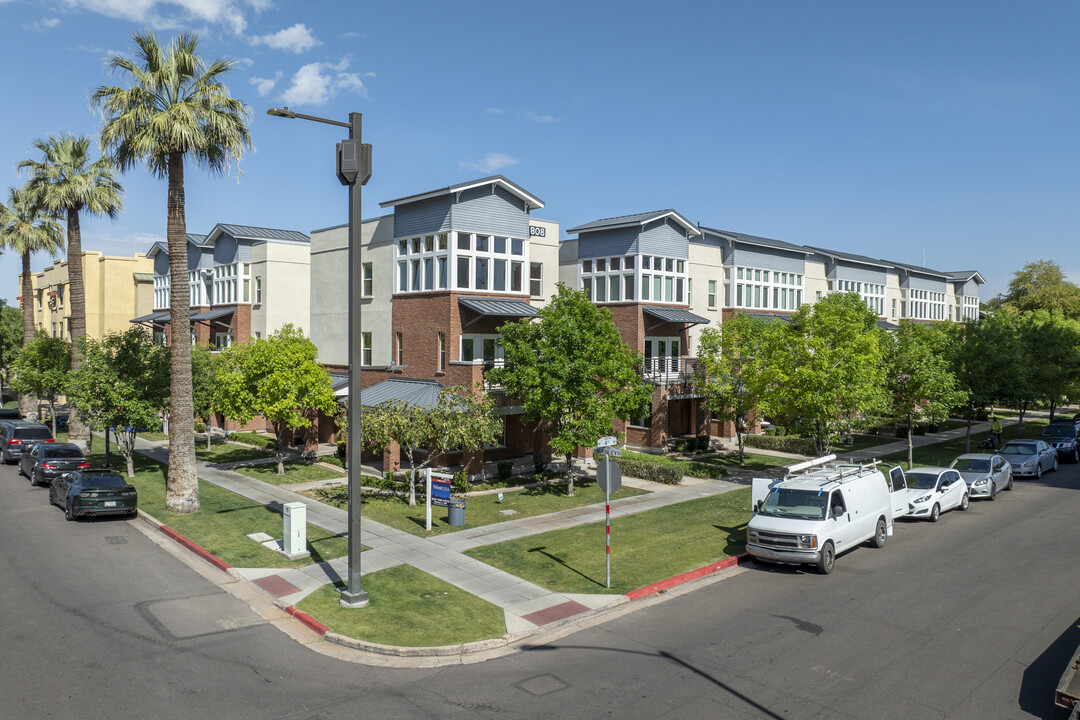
{"x":687,"y":577}
{"x":181,"y":540}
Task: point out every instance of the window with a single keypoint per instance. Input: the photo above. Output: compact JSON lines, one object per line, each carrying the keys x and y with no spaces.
{"x":442,"y":352}
{"x":712,"y":295}
{"x":536,"y":276}
{"x":400,"y":354}
{"x":223,"y":340}
{"x":515,"y":276}
{"x":365,"y":348}
{"x":498,"y":273}
{"x":481,"y":272}
{"x":366,"y":287}
{"x":463,"y":272}
{"x":442,"y":273}
{"x":767,"y":289}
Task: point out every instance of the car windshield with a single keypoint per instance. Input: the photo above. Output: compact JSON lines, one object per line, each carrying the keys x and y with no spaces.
{"x":1017,"y":449}
{"x":103,"y":481}
{"x":971,"y":464}
{"x":63,"y":452}
{"x":1059,"y":430}
{"x":921,"y":480}
{"x":786,"y":502}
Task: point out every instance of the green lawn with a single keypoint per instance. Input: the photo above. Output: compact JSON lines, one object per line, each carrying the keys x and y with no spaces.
{"x":410,"y":608}
{"x":943,"y":453}
{"x":222,"y":452}
{"x":480,"y":510}
{"x":751,"y":461}
{"x":295,"y":472}
{"x":645,"y":548}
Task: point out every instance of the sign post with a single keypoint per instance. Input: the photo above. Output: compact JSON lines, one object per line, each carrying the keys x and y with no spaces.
{"x":439,"y":486}
{"x":609,"y":478}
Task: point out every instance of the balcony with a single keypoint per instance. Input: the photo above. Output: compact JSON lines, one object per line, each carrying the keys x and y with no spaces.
{"x":664,"y":370}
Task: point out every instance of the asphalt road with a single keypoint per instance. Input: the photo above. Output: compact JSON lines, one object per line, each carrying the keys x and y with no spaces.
{"x":973,"y":617}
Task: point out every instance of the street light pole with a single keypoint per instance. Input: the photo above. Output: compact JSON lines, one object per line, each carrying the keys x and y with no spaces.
{"x":353,"y":171}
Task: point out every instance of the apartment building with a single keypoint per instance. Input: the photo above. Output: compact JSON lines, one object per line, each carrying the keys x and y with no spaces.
{"x":115,"y":288}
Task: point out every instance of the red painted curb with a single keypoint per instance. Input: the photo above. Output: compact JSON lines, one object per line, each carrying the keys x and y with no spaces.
{"x":204,"y":554}
{"x":307,"y":620}
{"x":685,"y":577}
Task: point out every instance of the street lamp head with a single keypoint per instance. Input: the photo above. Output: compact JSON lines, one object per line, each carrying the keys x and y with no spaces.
{"x":281,"y":112}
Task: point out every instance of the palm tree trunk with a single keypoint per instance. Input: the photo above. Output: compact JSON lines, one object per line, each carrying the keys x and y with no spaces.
{"x":182,"y":487}
{"x":78,"y":431}
{"x":26,"y":403}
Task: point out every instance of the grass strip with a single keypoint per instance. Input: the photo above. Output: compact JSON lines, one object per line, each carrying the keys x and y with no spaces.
{"x":646,"y":547}
{"x":943,"y":453}
{"x":295,"y":472}
{"x":410,"y":608}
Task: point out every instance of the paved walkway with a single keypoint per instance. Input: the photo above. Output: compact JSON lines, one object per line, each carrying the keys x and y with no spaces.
{"x":526,"y":606}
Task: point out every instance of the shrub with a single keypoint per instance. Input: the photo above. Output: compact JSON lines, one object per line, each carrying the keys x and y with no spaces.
{"x":506,"y":470}
{"x":342,"y":449}
{"x":677,"y":444}
{"x":539,"y":468}
{"x":460,"y":483}
{"x":703,"y":442}
{"x":250,"y":438}
{"x":199,"y":427}
{"x":786,"y":443}
{"x":653,"y":469}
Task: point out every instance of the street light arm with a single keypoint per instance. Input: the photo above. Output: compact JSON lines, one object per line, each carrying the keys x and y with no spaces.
{"x":287,"y":113}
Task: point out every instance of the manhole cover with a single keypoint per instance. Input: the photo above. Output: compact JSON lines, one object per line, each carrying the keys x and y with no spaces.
{"x":542,"y":685}
{"x":116,"y":540}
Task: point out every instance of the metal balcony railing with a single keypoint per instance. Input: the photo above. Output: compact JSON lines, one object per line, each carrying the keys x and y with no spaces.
{"x":664,"y":370}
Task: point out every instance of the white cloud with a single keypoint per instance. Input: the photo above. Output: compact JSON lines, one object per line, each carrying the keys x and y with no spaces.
{"x":46,"y":24}
{"x":537,"y":118}
{"x":296,"y":39}
{"x":494,"y":111}
{"x":490,"y":163}
{"x":172,"y":13}
{"x":264,"y":86}
{"x":315,"y":83}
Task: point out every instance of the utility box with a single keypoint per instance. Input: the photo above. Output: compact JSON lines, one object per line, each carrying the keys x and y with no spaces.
{"x":294,"y":544}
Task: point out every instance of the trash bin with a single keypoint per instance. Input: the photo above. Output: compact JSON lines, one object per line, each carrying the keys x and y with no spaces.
{"x":457,"y":511}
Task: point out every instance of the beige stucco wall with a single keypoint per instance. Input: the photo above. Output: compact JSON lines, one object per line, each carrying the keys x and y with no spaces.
{"x":545,"y":250}
{"x":285,"y":272}
{"x":706,"y":262}
{"x":814,"y":281}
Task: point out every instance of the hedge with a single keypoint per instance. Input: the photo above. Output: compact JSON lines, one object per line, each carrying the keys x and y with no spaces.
{"x":651,"y":469}
{"x":785,"y":443}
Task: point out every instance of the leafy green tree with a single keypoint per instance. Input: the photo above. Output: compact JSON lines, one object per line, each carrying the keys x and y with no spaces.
{"x":42,"y":369}
{"x":1052,"y":345}
{"x":175,"y":107}
{"x":1042,"y":285}
{"x":462,"y":418}
{"x":26,"y":227}
{"x":10,"y":335}
{"x":278,"y":377}
{"x":825,"y":367}
{"x":728,"y":373}
{"x":123,"y":384}
{"x":920,"y":381}
{"x":204,"y":378}
{"x":68,"y":182}
{"x":571,"y":371}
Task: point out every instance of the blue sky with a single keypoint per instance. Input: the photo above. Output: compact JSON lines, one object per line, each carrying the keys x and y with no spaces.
{"x":904,"y":130}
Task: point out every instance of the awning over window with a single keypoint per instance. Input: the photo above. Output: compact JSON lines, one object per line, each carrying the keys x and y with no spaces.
{"x":209,"y":315}
{"x":674,"y":315}
{"x":162,"y":316}
{"x":497,"y":307}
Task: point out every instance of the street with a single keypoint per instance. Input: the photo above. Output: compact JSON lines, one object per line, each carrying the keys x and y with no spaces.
{"x":972,"y":617}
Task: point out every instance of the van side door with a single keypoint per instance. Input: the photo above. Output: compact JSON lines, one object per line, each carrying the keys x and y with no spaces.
{"x":898,"y":492}
{"x":842,"y":528}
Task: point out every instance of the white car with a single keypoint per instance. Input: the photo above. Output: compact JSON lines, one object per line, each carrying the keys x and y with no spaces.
{"x":933,"y":490}
{"x":985,"y":474}
{"x":1029,"y":457}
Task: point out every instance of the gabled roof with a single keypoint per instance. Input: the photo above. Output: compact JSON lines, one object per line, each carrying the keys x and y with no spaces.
{"x":851,"y":257}
{"x":734,"y":237}
{"x":249,"y":232}
{"x":162,"y":247}
{"x":965,"y":275}
{"x":531,"y":201}
{"x":636,"y":220}
{"x":919,"y":269}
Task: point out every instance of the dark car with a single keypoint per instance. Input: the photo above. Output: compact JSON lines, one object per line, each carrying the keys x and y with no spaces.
{"x":16,"y":436}
{"x":86,"y":493}
{"x":42,"y":462}
{"x":10,"y":414}
{"x":1062,"y":436}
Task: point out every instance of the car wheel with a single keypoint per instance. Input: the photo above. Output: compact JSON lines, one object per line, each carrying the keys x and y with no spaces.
{"x":828,"y":559}
{"x":69,"y":512}
{"x":881,"y":535}
{"x":1055,"y":463}
{"x":935,"y":514}
{"x":1076,"y":455}
{"x":964,"y":502}
{"x":21,"y":471}
{"x":1009,"y":485}
{"x":993,"y":490}
{"x":1038,"y":470}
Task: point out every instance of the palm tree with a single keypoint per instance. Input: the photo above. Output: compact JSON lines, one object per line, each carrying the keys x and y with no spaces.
{"x":68,"y":183}
{"x":27,"y":228}
{"x":175,"y":106}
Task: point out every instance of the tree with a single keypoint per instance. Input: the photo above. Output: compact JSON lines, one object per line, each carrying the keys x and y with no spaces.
{"x":204,"y":379}
{"x":825,"y":367}
{"x":729,"y":376}
{"x":67,"y":182}
{"x":27,"y":228}
{"x":278,"y":377}
{"x":462,"y":418}
{"x":1052,"y":345}
{"x":123,"y":384}
{"x":1042,"y":285}
{"x":920,"y":382}
{"x":571,"y":371}
{"x":10,"y":335}
{"x":176,"y":107}
{"x":42,"y":369}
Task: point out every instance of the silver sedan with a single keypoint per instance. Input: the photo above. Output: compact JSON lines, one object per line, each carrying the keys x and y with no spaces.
{"x":984,"y":474}
{"x":1029,"y":457}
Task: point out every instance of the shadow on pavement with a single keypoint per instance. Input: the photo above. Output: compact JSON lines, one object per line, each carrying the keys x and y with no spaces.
{"x":1041,"y":677}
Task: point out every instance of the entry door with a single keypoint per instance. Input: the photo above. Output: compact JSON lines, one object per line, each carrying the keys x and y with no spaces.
{"x":662,"y":354}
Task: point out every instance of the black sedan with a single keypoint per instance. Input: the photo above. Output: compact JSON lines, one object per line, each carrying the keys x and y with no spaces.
{"x":93,"y":492}
{"x":43,"y":462}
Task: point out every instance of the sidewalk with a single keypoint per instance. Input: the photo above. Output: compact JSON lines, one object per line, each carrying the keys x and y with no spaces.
{"x":527,"y":607}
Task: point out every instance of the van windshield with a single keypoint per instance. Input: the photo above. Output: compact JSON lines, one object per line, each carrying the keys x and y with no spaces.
{"x":786,"y":502}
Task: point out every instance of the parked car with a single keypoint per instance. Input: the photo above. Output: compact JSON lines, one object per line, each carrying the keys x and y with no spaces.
{"x":1029,"y":457}
{"x":934,"y":490}
{"x":15,"y":435}
{"x":985,"y":475}
{"x":86,"y":493}
{"x":1062,"y":436}
{"x":43,"y":462}
{"x":10,"y":414}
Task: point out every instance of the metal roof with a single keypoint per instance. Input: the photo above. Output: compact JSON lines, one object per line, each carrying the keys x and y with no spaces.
{"x":208,"y":315}
{"x":338,"y":380}
{"x":497,"y":307}
{"x":886,"y":325}
{"x":638,"y":219}
{"x":760,"y":241}
{"x":248,"y":232}
{"x":421,"y":393}
{"x":143,"y":277}
{"x":514,"y":189}
{"x":919,"y":269}
{"x":674,"y":315}
{"x":851,"y":257}
{"x":765,"y":315}
{"x":966,"y":275}
{"x":154,"y":317}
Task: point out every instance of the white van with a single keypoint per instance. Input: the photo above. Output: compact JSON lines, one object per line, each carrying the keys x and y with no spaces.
{"x":820,"y":510}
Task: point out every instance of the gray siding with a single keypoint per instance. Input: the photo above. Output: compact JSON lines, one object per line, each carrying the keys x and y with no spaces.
{"x":857,"y":273}
{"x":161,"y":264}
{"x":765,"y":259}
{"x":491,"y":213}
{"x":667,"y":239}
{"x":425,"y":216}
{"x":915,"y":282}
{"x":608,"y":243}
{"x":970,"y":288}
{"x":225,"y":250}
